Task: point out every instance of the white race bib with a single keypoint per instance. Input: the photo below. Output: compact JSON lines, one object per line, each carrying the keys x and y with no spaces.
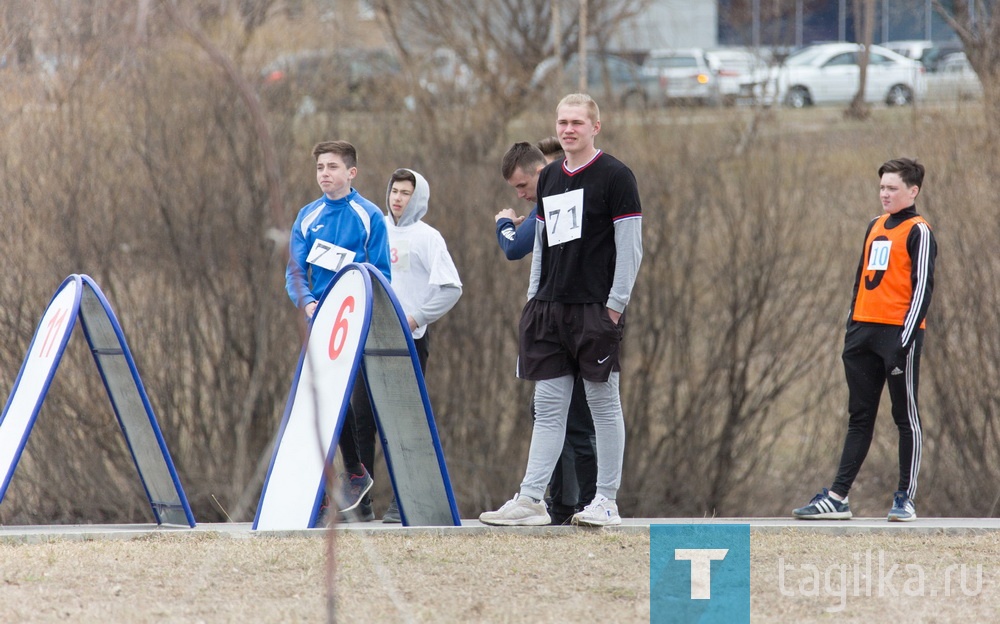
{"x":878,"y":257}
{"x":564,"y":217}
{"x":399,"y":255}
{"x":329,"y":256}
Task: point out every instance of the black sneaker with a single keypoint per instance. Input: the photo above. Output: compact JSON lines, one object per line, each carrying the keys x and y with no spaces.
{"x":824,"y":507}
{"x":561,"y":514}
{"x":363,"y":512}
{"x":392,"y":513}
{"x":353,"y":489}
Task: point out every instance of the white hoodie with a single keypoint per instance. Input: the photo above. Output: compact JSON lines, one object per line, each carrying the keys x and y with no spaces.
{"x":424,"y":276}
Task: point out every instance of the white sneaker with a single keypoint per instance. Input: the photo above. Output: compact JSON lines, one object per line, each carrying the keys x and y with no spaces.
{"x":518,"y":511}
{"x":601,"y":512}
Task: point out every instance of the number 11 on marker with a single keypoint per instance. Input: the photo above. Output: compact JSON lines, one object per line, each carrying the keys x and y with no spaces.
{"x":52,"y":329}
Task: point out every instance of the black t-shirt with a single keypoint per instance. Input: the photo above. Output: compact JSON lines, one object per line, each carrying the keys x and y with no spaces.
{"x":582,"y":270}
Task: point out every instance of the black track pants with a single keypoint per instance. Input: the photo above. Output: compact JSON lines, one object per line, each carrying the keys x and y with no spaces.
{"x":872,"y":359}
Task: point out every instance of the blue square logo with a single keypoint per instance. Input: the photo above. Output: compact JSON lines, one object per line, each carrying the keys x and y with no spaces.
{"x":699,"y":573}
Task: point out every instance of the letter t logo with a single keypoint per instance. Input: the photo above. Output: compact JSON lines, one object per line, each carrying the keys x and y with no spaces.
{"x":701,"y":568}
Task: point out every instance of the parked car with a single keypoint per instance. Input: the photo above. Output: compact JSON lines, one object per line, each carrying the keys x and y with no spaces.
{"x":954,"y":79}
{"x":333,"y":80}
{"x":930,"y":53}
{"x":627,"y":86}
{"x":683,"y":75}
{"x":443,"y":75}
{"x":829,"y":73}
{"x":734,"y":67}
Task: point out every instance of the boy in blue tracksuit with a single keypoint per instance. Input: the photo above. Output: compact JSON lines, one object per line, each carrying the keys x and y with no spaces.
{"x":338,"y":228}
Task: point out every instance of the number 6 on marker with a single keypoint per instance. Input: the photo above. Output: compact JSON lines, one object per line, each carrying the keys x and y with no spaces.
{"x":340,"y":327}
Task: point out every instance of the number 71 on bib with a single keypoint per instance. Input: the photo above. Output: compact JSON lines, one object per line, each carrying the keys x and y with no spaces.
{"x":563,"y":217}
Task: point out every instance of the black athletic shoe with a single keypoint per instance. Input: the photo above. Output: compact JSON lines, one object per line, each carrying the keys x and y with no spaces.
{"x":561,"y":514}
{"x":392,"y":513}
{"x":362,"y":513}
{"x":353,"y":489}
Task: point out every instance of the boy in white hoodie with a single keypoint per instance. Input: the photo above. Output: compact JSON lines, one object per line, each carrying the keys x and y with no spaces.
{"x":424,"y":276}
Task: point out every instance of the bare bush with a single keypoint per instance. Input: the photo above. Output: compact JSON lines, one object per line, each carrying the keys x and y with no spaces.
{"x":146,"y":170}
{"x":963,"y":454}
{"x":733,"y":315}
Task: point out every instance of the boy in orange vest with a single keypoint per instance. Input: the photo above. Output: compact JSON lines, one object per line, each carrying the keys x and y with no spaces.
{"x":885,"y":332}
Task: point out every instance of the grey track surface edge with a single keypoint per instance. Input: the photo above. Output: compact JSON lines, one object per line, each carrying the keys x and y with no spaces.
{"x":38,"y":534}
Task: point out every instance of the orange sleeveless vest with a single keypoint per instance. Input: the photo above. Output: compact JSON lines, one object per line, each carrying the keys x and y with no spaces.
{"x":886,"y":289}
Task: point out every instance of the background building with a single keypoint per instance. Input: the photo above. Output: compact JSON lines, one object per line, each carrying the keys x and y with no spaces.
{"x":782,"y":23}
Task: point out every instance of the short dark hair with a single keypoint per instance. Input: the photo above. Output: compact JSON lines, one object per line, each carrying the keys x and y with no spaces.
{"x":400,"y":175}
{"x":342,"y":148}
{"x":550,"y":146}
{"x":523,"y":155}
{"x":910,"y":171}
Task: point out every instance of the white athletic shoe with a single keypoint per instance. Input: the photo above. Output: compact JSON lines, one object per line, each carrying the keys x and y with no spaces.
{"x":518,"y":511}
{"x":601,"y":512}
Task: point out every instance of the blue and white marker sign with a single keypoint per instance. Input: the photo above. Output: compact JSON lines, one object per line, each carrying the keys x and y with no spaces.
{"x":358,"y":326}
{"x":80,"y":298}
{"x":315,"y":413}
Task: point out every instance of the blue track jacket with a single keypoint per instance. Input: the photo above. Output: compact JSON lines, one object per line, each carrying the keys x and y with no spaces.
{"x":323,"y":231}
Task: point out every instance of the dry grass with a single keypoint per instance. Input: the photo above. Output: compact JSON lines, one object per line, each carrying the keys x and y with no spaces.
{"x":494,"y":577}
{"x":380,"y":579}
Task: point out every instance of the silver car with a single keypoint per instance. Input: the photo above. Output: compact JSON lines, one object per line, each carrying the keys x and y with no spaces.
{"x":684,"y":75}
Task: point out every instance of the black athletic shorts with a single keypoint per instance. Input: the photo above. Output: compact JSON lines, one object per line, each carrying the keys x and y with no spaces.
{"x":559,"y":339}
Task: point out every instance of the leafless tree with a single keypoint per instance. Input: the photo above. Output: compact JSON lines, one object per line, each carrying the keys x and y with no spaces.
{"x":496,"y":46}
{"x":962,"y":404}
{"x":730,"y":322}
{"x":17,"y":20}
{"x":864,"y":11}
{"x":977,"y":24}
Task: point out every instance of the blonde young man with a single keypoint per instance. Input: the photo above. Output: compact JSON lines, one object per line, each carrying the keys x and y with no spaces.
{"x":574,"y":479}
{"x":588,"y":247}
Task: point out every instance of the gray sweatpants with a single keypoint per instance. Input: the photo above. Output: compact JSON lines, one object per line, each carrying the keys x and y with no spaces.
{"x":552,"y":398}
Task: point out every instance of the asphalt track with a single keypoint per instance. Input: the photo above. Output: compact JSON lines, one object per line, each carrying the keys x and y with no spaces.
{"x":37,"y":534}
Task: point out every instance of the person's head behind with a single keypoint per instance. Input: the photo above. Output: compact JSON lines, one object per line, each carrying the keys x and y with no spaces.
{"x":402,"y":184}
{"x":551,"y":149}
{"x":520,"y":168}
{"x":900,"y":181}
{"x":336,"y":167}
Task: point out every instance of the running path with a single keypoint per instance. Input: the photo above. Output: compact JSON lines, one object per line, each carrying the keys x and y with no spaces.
{"x":36,"y":534}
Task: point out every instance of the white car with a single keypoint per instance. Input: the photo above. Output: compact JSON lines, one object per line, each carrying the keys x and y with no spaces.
{"x":829,"y":73}
{"x":930,"y":53}
{"x":734,"y":67}
{"x":954,"y":79}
